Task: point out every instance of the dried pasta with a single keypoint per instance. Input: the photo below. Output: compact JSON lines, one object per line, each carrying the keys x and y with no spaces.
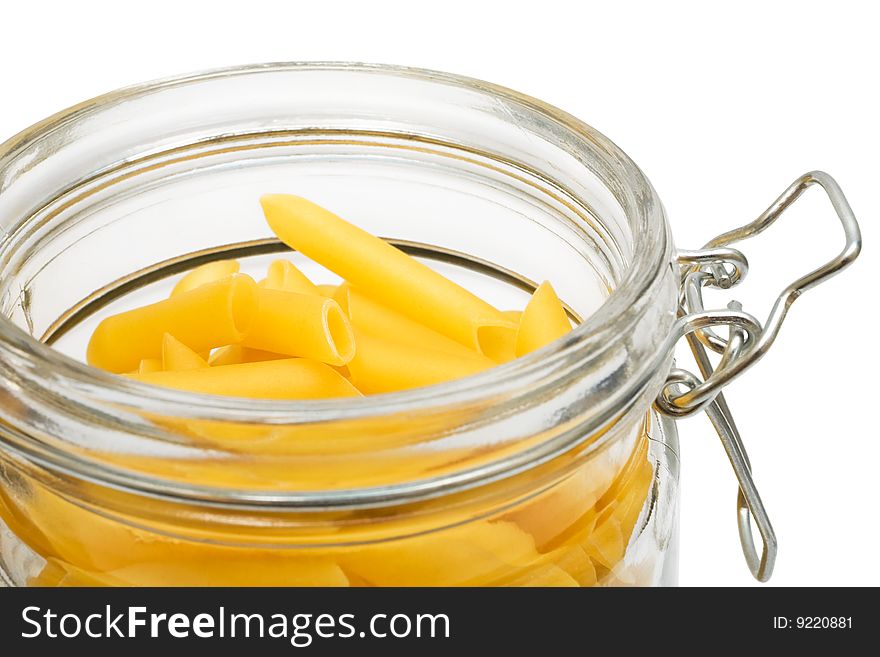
{"x":207,"y":273}
{"x":283,"y":275}
{"x":290,"y":378}
{"x":306,"y":325}
{"x":212,"y":315}
{"x":543,"y":321}
{"x":392,"y":324}
{"x":374,"y":318}
{"x":233,"y":354}
{"x":177,"y":357}
{"x":383,"y":364}
{"x":379,"y":269}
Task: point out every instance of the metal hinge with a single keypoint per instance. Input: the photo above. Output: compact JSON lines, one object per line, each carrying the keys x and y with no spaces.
{"x":684,"y":393}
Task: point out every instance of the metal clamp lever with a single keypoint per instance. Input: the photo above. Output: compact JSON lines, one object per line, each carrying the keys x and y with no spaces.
{"x":718,"y":265}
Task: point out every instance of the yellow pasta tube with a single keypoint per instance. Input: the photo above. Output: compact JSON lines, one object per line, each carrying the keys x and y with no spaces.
{"x":326,"y":290}
{"x":292,"y":378}
{"x":566,"y":508}
{"x":218,"y":567}
{"x":371,"y":316}
{"x":283,"y":275}
{"x":235,"y":353}
{"x":576,"y":563}
{"x":607,"y":544}
{"x":385,"y":365}
{"x":499,"y":342}
{"x":207,"y":273}
{"x":214,"y":567}
{"x":176,"y":356}
{"x":305,"y":325}
{"x":149,"y":365}
{"x":209,"y":316}
{"x":379,"y":269}
{"x":473,"y":554}
{"x":543,"y":321}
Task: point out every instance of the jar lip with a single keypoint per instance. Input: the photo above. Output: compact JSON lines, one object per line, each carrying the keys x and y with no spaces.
{"x":651,"y":246}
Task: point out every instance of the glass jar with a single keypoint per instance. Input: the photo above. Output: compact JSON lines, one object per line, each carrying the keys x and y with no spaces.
{"x":550,"y":470}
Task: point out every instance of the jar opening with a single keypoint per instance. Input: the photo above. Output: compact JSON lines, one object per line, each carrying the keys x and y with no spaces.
{"x":577,"y":193}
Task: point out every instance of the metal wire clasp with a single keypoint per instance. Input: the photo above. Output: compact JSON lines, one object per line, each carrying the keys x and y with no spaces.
{"x":718,"y":265}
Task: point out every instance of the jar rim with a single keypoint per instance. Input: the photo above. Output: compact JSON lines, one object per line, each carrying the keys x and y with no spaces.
{"x":651,"y":249}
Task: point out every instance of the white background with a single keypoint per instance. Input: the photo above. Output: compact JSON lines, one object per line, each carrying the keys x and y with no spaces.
{"x":721,"y":105}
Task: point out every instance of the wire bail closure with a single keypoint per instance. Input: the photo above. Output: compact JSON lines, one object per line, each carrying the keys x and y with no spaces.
{"x":719,"y":265}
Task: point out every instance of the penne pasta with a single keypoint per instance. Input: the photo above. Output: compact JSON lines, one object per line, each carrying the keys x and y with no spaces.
{"x":207,"y":273}
{"x":383,"y":364}
{"x":575,"y":562}
{"x":85,"y":548}
{"x":149,"y":365}
{"x":565,"y":509}
{"x":291,"y":378}
{"x":372,"y":317}
{"x":208,"y":316}
{"x":474,"y":553}
{"x":213,"y":567}
{"x":235,"y":353}
{"x":176,"y":356}
{"x":304,"y":325}
{"x":543,"y":321}
{"x":283,"y":275}
{"x":378,"y":269}
{"x":499,"y":342}
{"x":393,"y":324}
